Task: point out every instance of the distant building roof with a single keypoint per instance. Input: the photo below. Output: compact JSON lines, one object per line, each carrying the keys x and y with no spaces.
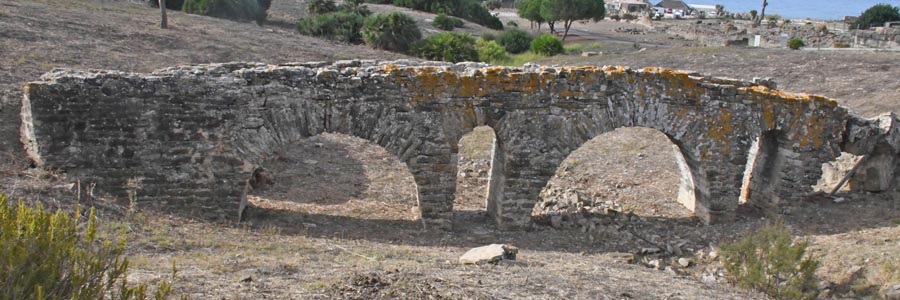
{"x":703,"y":7}
{"x":673,"y":4}
{"x":645,"y":2}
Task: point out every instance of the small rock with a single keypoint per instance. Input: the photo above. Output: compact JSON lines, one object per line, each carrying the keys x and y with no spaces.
{"x":892,"y":292}
{"x":825,"y":285}
{"x":556,"y":221}
{"x":684,"y":262}
{"x":248,"y":279}
{"x":310,"y":225}
{"x":492,"y":253}
{"x":650,"y":250}
{"x":623,"y":257}
{"x":713,"y":254}
{"x":588,"y":53}
{"x":839,"y":199}
{"x":654,"y":264}
{"x":310,"y":162}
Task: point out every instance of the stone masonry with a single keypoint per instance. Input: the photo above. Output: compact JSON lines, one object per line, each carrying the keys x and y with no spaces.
{"x":194,"y":135}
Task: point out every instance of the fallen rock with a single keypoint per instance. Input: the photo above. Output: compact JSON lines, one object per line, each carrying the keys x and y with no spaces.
{"x":491,"y":254}
{"x":684,"y":262}
{"x":588,"y":54}
{"x":891,"y":292}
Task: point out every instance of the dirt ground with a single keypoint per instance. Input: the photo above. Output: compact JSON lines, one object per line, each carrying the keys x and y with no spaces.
{"x":340,"y":221}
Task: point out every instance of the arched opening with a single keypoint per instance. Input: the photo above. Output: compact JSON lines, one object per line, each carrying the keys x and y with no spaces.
{"x":474,"y":161}
{"x":626,"y":170}
{"x":763,"y":174}
{"x":331,"y":179}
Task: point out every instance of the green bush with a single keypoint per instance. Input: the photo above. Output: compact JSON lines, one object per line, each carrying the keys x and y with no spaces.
{"x":380,"y":1}
{"x":444,"y":22}
{"x":58,"y":256}
{"x":448,"y":46}
{"x":770,"y":262}
{"x":355,"y":8}
{"x":321,"y":7}
{"x":490,"y":51}
{"x":238,"y":10}
{"x":338,"y":26}
{"x":394,"y":32}
{"x":877,"y":15}
{"x":629,"y":17}
{"x":170,"y":4}
{"x":515,"y":41}
{"x":492,"y":4}
{"x":474,"y":12}
{"x":488,"y":36}
{"x":795,"y":43}
{"x":547,"y":45}
{"x":512,"y":23}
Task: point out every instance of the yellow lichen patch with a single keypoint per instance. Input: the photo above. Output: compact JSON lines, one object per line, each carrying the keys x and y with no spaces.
{"x":392,"y":69}
{"x":526,"y":82}
{"x":778,"y":95}
{"x":721,"y":128}
{"x":815,"y":128}
{"x":615,"y":71}
{"x":468,"y":86}
{"x":569,"y":93}
{"x":768,"y":115}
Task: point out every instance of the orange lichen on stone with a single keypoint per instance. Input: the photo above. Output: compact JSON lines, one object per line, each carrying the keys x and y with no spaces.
{"x":815,"y":128}
{"x":722,"y":127}
{"x":615,"y":71}
{"x":768,"y":115}
{"x":766,"y":93}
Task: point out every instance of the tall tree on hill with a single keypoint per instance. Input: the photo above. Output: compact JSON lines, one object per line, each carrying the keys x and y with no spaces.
{"x":530,"y":10}
{"x":163,"y":22}
{"x":762,"y":13}
{"x":569,"y":11}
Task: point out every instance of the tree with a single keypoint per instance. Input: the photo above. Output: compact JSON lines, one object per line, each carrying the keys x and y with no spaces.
{"x":569,"y":11}
{"x":762,"y":12}
{"x":530,"y":10}
{"x":163,"y":22}
{"x":878,"y":14}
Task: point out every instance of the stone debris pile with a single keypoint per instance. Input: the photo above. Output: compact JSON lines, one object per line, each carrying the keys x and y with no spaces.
{"x":568,"y":208}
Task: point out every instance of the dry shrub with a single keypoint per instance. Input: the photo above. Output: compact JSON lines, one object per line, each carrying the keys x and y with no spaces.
{"x":60,"y":256}
{"x":769,"y":261}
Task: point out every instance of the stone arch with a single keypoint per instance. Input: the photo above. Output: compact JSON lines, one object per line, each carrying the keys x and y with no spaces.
{"x":410,"y":136}
{"x":764,"y":171}
{"x":195,"y":133}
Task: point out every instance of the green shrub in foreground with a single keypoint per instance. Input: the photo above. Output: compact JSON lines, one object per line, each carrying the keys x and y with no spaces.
{"x":448,"y":46}
{"x":58,"y":256}
{"x":394,"y":32}
{"x":770,"y":262}
{"x":238,"y":10}
{"x":795,"y":43}
{"x":490,"y":51}
{"x":339,"y":26}
{"x":515,"y":41}
{"x":547,"y":45}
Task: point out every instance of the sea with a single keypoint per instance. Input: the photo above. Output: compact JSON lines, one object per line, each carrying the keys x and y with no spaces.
{"x":797,"y":9}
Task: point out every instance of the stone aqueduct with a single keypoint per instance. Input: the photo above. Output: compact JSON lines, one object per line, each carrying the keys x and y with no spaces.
{"x":195,"y":134}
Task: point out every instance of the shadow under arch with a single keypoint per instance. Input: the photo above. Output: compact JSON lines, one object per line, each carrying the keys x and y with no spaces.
{"x":639,"y":168}
{"x":519,"y":173}
{"x":333,"y":174}
{"x":410,"y":136}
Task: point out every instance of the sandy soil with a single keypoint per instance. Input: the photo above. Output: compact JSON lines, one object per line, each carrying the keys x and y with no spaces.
{"x":340,"y":222}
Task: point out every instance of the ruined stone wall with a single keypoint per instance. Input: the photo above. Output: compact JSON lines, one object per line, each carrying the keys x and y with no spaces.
{"x":195,"y":134}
